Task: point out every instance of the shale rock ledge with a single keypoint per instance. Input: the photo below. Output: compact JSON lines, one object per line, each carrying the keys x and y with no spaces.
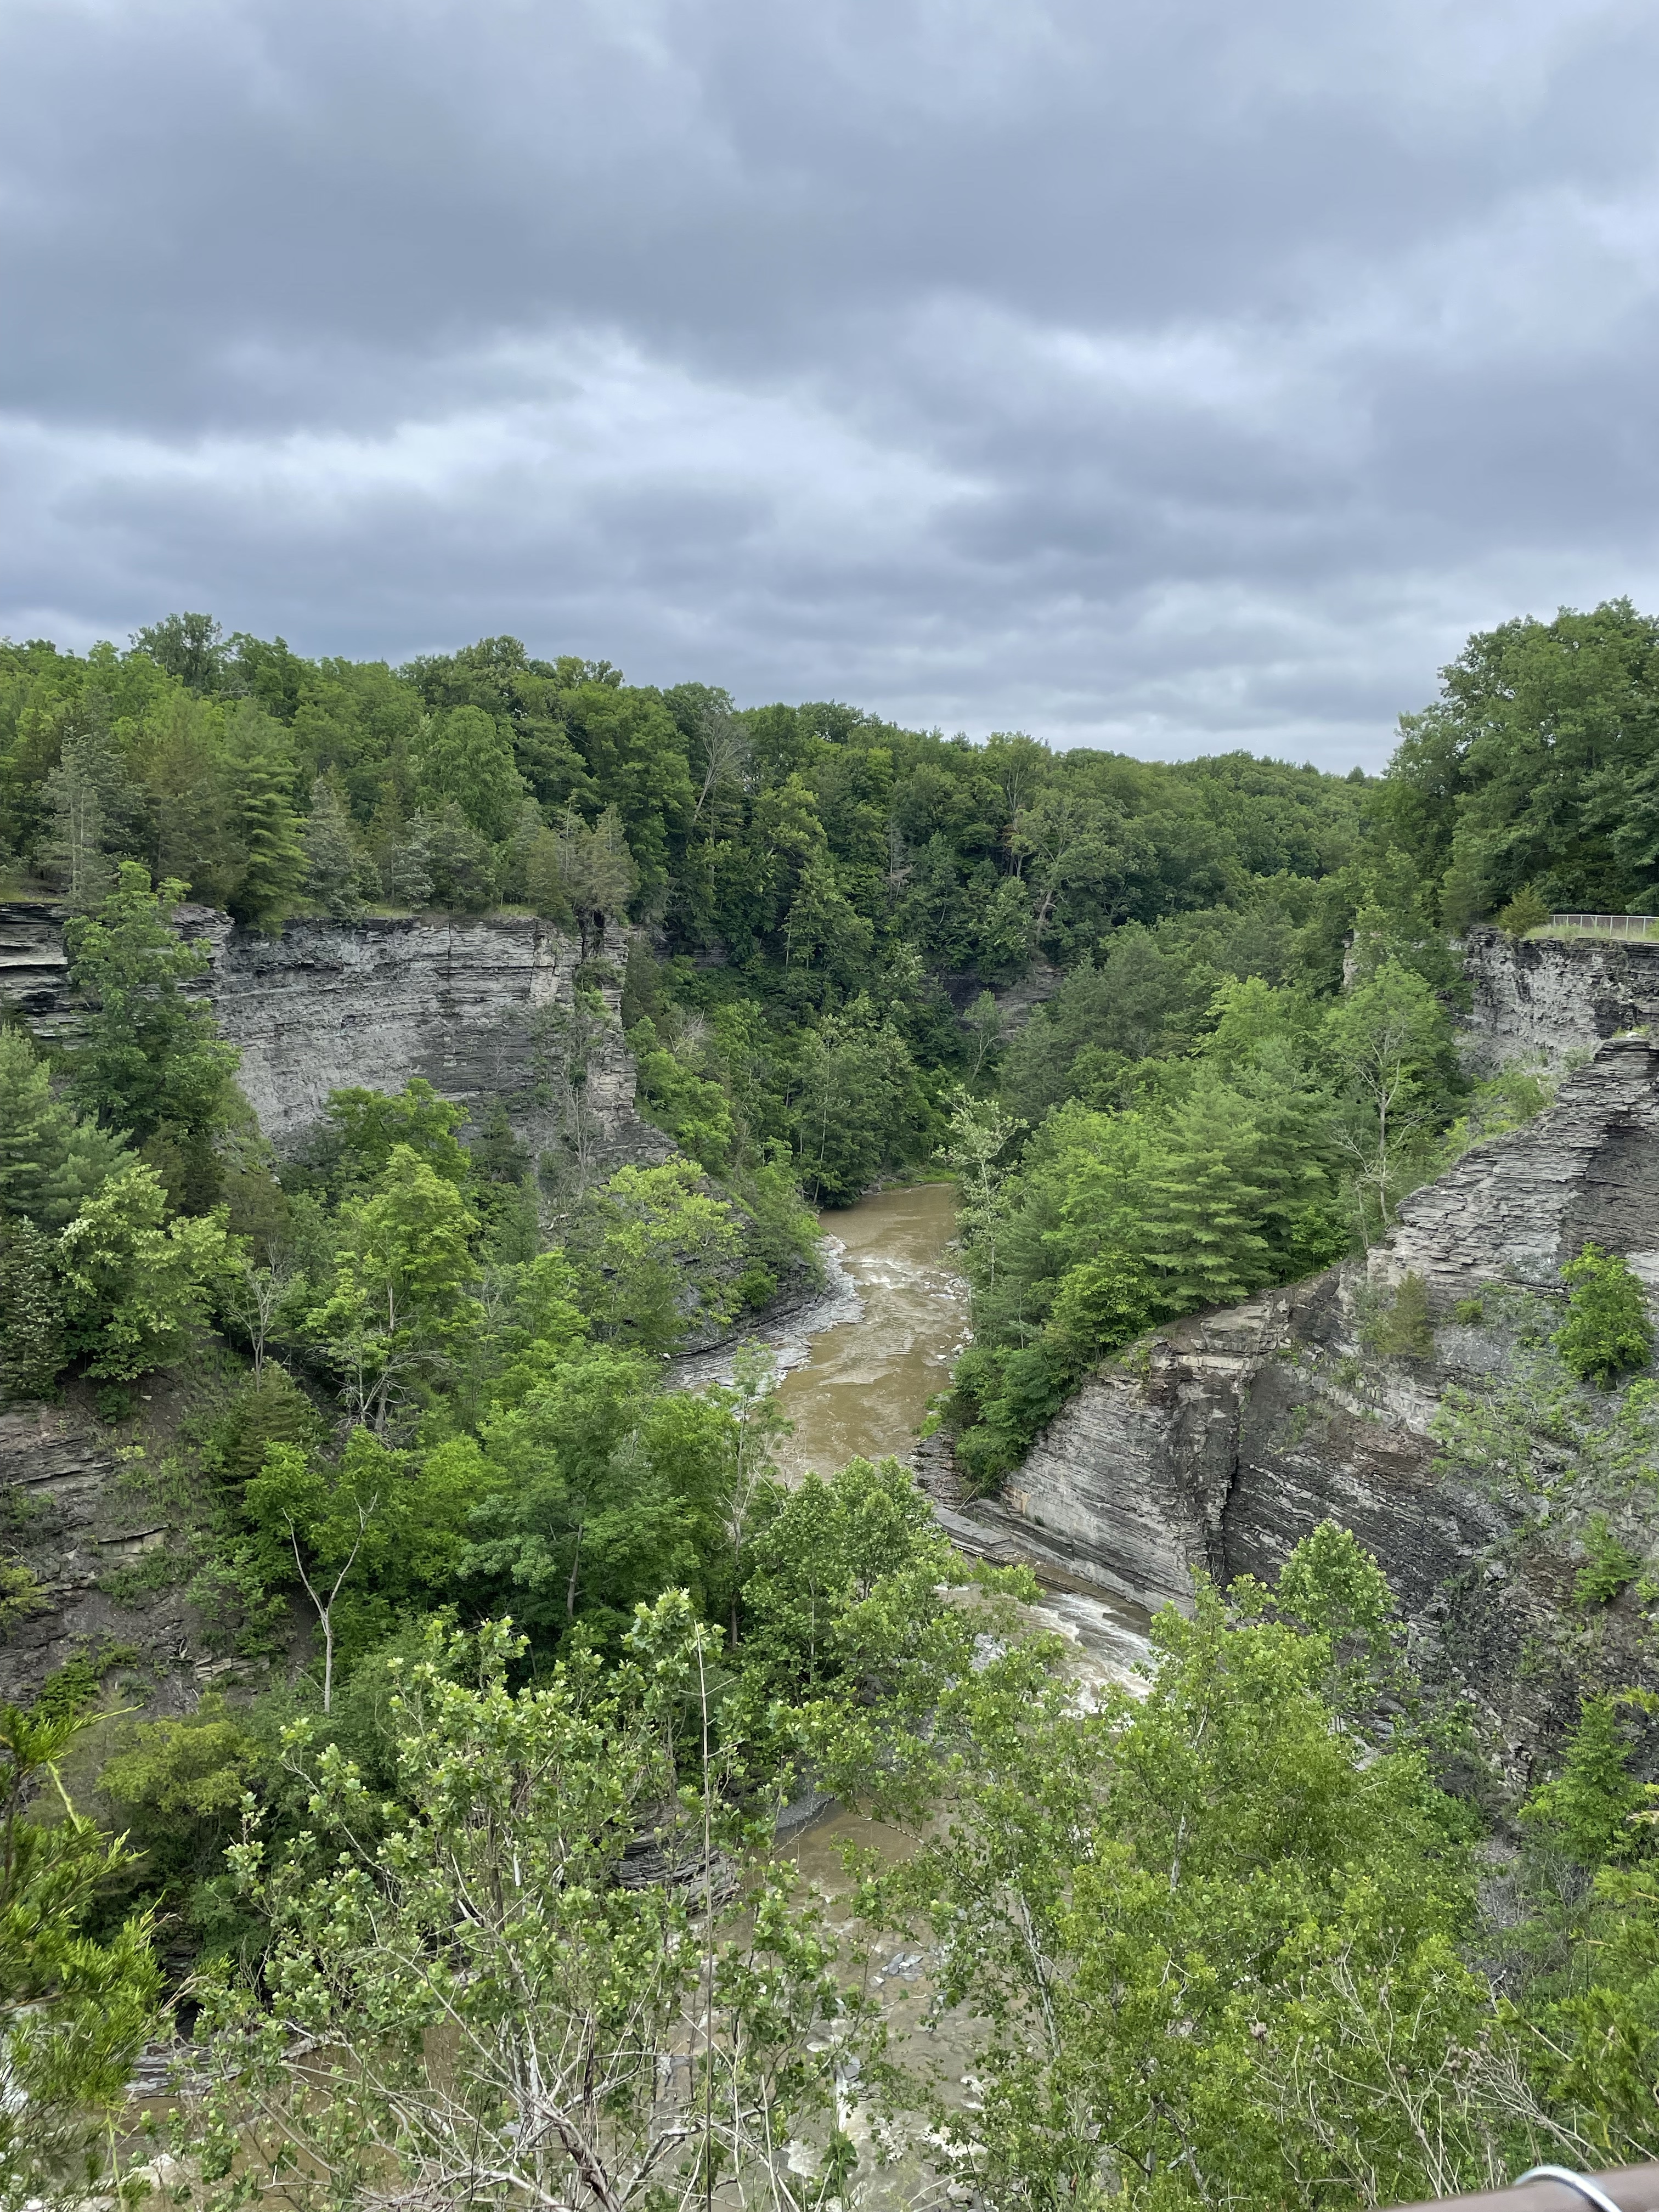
{"x":1220,"y":1443}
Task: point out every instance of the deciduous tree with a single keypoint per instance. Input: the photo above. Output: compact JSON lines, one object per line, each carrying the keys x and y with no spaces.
{"x":135,"y":1292}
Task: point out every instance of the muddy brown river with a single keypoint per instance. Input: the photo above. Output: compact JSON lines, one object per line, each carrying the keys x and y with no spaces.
{"x":865,"y":1384}
{"x":860,"y":1364}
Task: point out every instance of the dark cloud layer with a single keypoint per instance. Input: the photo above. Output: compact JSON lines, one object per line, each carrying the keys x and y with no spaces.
{"x":1161,"y":373}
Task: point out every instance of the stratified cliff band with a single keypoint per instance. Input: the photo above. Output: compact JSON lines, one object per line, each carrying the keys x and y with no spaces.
{"x":484,"y":1008}
{"x":1216,"y":1444}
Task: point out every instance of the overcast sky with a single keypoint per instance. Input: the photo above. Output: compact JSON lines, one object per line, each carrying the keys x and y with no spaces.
{"x":1169,"y":374}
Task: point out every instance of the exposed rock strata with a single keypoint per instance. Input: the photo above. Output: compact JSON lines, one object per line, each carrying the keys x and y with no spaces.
{"x":482,"y":1007}
{"x":69,"y":1521}
{"x":33,"y":965}
{"x":1228,"y":1438}
{"x":479,"y":1008}
{"x":1547,"y":1000}
{"x":1241,"y":1432}
{"x":1520,"y":1206}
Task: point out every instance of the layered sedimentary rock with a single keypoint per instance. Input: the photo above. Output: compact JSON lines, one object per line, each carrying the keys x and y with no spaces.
{"x":71,"y":1526}
{"x":484,"y":1008}
{"x":1549,"y":999}
{"x":1519,"y":1207}
{"x":1232,"y":1436}
{"x":1222,"y":1442}
{"x":33,"y":965}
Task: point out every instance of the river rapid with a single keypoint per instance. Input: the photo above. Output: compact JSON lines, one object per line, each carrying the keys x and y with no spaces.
{"x":860,"y":1362}
{"x":858,"y":1368}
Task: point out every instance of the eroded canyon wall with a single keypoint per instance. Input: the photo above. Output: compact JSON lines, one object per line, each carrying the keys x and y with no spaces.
{"x":483,"y":1007}
{"x":1550,"y":999}
{"x":1223,"y":1440}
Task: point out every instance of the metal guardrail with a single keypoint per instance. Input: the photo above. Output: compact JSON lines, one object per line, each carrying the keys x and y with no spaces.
{"x":1558,"y":2189}
{"x":1609,"y":924}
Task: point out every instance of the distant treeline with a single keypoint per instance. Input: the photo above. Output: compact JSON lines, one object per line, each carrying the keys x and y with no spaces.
{"x":838,"y":907}
{"x":857,"y":884}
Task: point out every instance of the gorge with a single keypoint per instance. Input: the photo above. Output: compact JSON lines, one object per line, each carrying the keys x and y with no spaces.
{"x":1219,"y":1443}
{"x":1300,"y":1311}
{"x":1216,"y":1445}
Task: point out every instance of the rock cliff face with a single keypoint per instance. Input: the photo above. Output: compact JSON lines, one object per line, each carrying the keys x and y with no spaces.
{"x":1546,"y":1000}
{"x":105,"y":1561}
{"x":1519,"y":1207}
{"x":483,"y":1007}
{"x":1234,"y":1433}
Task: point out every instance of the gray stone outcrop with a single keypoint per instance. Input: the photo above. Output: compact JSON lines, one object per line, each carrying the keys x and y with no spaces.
{"x":1518,"y":1208}
{"x":1235,"y":1435}
{"x":73,"y":1527}
{"x":483,"y":1007}
{"x":1546,"y":1000}
{"x":1219,"y":1444}
{"x":1236,"y":1432}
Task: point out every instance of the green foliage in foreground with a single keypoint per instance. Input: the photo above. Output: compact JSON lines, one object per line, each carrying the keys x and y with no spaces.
{"x":1210,"y":1939}
{"x":74,"y":2011}
{"x":563,"y":1972}
{"x":1213,"y":1935}
{"x":1220,"y":1942}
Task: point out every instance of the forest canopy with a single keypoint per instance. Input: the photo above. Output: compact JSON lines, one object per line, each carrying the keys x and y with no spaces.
{"x":470,"y":1865}
{"x":1107,"y":994}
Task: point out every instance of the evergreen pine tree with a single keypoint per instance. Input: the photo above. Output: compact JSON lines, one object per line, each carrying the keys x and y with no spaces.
{"x":273,"y":859}
{"x":596,"y":865}
{"x":1406,"y":1331}
{"x":544,"y":877}
{"x":406,"y":868}
{"x":463,"y":874}
{"x":1586,"y":1809}
{"x":399,"y":846}
{"x":1205,"y":1197}
{"x":332,"y":866}
{"x":518,"y":858}
{"x":49,"y":1161}
{"x":33,"y":1132}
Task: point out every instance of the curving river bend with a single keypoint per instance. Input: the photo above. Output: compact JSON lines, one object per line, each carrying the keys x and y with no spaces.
{"x":860,"y":1364}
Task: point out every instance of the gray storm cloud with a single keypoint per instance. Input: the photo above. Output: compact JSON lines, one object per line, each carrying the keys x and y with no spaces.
{"x":1166,"y":376}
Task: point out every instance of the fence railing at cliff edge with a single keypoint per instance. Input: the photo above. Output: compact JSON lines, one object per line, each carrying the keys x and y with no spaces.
{"x":1559,"y":2189}
{"x":1609,"y":924}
